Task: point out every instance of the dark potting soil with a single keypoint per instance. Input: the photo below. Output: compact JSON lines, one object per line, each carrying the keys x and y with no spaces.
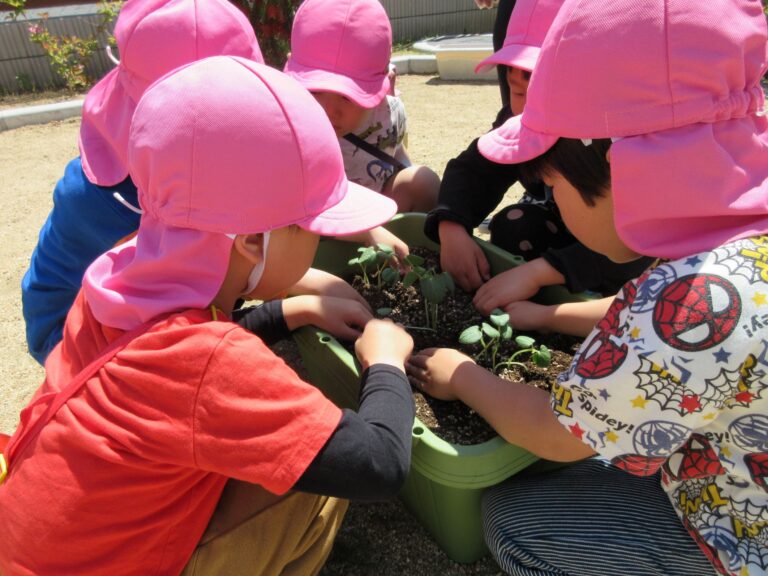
{"x":455,"y":422}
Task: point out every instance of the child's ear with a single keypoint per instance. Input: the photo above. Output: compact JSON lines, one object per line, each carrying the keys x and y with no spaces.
{"x":250,"y":246}
{"x":608,"y":155}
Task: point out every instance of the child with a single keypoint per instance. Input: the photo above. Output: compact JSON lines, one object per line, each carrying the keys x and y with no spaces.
{"x":666,"y":156}
{"x":94,"y":204}
{"x":340,"y":51}
{"x":179,"y":451}
{"x":472,"y":186}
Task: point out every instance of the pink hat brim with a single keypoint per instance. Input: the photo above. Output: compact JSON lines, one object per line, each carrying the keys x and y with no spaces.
{"x":513,"y":142}
{"x":365,"y":93}
{"x":103,"y":139}
{"x":359,"y":210}
{"x":517,"y":55}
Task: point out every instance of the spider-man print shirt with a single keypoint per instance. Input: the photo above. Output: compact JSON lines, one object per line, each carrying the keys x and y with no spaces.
{"x":675,"y":377}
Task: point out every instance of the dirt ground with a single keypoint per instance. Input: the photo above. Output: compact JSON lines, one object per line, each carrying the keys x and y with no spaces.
{"x":443,"y":117}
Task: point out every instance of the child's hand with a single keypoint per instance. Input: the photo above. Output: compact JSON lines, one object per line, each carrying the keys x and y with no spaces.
{"x":433,"y":371}
{"x":526,"y":315}
{"x":515,"y":284}
{"x":383,"y":342}
{"x":461,"y":257}
{"x":341,"y":317}
{"x":320,"y":283}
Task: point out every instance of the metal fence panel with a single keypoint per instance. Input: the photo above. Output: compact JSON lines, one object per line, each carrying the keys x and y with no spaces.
{"x":24,"y":64}
{"x":416,"y":19}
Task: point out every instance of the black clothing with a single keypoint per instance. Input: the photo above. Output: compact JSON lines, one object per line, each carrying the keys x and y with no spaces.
{"x":472,"y":187}
{"x":368,"y":455}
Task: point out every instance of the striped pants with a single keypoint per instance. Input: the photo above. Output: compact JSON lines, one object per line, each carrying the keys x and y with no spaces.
{"x":588,"y":519}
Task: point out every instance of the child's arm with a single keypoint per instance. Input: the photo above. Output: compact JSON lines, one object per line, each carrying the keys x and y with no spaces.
{"x":275,"y":320}
{"x":515,"y":284}
{"x":368,"y":455}
{"x":520,"y":413}
{"x":471,"y":187}
{"x":573,"y":318}
{"x":341,"y":317}
{"x":320,"y":283}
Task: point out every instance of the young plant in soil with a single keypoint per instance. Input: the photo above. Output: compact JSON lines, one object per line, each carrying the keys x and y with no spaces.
{"x":454,"y":422}
{"x":492,"y":336}
{"x":378,"y":258}
{"x":434,"y":287}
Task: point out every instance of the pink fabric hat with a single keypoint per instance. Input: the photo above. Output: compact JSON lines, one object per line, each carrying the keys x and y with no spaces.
{"x":676,"y":84}
{"x":342,"y":46}
{"x":153,"y":37}
{"x":253,"y":155}
{"x":527,"y":27}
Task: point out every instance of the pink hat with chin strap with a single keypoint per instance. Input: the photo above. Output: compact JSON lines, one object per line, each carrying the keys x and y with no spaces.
{"x":528,"y":25}
{"x":676,"y":84}
{"x":153,"y":37}
{"x":342,"y":46}
{"x":253,"y":155}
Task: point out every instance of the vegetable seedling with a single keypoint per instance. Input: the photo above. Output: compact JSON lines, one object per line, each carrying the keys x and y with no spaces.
{"x":378,"y":259}
{"x":492,"y":335}
{"x":434,"y":287}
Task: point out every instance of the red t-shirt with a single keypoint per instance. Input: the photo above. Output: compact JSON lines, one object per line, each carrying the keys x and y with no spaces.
{"x":125,"y":477}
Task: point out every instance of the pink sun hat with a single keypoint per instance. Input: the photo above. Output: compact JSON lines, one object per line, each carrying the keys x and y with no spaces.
{"x":528,"y":25}
{"x":676,"y":84}
{"x":342,"y":46}
{"x":153,"y":38}
{"x":255,"y":154}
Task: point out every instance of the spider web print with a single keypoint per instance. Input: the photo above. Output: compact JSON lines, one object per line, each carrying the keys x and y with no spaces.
{"x":752,"y":383}
{"x":753,"y":545}
{"x":664,"y":389}
{"x":751,"y":514}
{"x":741,"y":259}
{"x":722,"y":387}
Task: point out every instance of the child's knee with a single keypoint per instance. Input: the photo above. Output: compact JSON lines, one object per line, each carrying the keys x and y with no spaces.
{"x":415,"y":189}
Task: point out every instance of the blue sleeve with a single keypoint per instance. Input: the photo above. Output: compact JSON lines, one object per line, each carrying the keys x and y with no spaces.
{"x":86,"y":221}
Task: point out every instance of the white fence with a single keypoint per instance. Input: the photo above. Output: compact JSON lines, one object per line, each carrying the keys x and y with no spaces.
{"x":23,"y":65}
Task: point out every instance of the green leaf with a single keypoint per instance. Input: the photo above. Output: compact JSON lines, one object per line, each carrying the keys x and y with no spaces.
{"x":389,"y":275}
{"x":524,"y":341}
{"x":506,"y":332}
{"x":414,"y":260}
{"x":490,"y":331}
{"x":542,"y":357}
{"x":383,"y":311}
{"x":471,"y":335}
{"x":433,"y":289}
{"x":354,"y":261}
{"x":368,"y":256}
{"x":448,"y":282}
{"x":499,"y":317}
{"x":410,"y":278}
{"x":386,"y":249}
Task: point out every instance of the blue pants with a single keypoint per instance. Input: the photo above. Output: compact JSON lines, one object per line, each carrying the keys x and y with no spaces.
{"x":588,"y":519}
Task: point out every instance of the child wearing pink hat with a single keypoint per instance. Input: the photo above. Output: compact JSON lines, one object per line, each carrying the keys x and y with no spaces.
{"x":473,"y":186}
{"x":340,"y":51}
{"x":647,"y":119}
{"x":166,"y":438}
{"x":95,"y":203}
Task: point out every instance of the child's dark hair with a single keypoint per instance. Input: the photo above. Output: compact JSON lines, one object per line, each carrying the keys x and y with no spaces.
{"x":585,"y":167}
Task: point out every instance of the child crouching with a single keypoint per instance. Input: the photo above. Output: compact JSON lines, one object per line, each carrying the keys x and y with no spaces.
{"x":167,"y":438}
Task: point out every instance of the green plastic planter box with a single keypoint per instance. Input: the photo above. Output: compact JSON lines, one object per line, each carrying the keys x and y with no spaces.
{"x":445,"y":483}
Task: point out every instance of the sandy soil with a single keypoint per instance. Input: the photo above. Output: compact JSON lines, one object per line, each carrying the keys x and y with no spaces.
{"x":443,"y":117}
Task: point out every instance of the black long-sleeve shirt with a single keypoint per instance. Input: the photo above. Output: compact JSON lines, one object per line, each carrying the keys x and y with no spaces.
{"x":473,"y":186}
{"x":368,"y":456}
